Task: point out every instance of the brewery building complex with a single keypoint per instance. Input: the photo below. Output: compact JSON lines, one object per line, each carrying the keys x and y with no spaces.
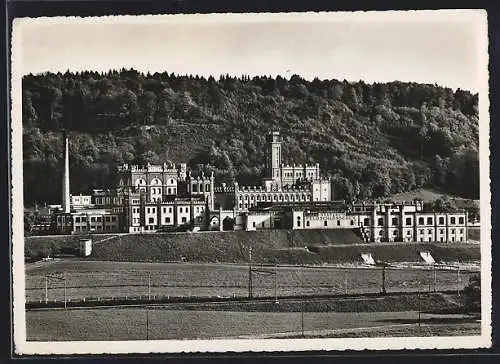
{"x":168,"y":197}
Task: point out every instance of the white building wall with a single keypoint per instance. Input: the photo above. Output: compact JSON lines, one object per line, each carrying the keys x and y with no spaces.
{"x":183,"y":214}
{"x":258,"y":221}
{"x":298,"y":220}
{"x":151,"y":217}
{"x":329,"y":220}
{"x":167,"y":215}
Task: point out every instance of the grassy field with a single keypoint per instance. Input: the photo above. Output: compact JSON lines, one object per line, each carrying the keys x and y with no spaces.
{"x":92,"y":279}
{"x":130,"y":323}
{"x":427,"y":328}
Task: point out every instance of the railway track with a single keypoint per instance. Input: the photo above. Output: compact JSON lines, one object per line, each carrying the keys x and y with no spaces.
{"x":190,"y":301}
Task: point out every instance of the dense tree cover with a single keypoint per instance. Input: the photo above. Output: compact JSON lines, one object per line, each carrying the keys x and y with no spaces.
{"x":373,"y":139}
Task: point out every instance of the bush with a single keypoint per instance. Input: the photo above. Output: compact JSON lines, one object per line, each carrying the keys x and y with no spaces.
{"x":472,"y":294}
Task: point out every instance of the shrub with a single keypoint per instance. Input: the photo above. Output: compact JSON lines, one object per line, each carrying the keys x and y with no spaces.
{"x":472,"y":294}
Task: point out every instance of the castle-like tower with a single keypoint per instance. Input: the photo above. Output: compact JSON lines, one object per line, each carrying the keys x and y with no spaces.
{"x":278,"y":175}
{"x":273,"y":156}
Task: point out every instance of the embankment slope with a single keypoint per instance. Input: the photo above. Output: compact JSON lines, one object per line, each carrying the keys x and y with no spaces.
{"x":269,"y":246}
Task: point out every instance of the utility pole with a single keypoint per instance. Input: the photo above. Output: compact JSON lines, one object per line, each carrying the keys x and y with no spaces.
{"x":250,"y":293}
{"x":419,"y":306}
{"x":64,"y":278}
{"x":435,"y":277}
{"x":458,"y":280}
{"x":302,"y":303}
{"x":276,"y":283}
{"x":147,"y":323}
{"x":46,"y":290}
{"x":302,"y":316}
{"x":430,"y":282}
{"x":383,"y":280}
{"x":345,"y":282}
{"x":149,"y":286}
{"x":57,"y":277}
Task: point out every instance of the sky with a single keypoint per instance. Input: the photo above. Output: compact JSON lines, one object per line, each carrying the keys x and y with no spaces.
{"x":442,"y":47}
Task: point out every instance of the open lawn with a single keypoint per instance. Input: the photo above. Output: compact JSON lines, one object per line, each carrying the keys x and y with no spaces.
{"x":143,"y":323}
{"x":93,"y":279}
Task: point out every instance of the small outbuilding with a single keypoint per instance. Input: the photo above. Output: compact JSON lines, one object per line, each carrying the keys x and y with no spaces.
{"x":85,"y":247}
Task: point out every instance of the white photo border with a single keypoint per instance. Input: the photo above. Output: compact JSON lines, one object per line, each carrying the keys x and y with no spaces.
{"x":24,"y":347}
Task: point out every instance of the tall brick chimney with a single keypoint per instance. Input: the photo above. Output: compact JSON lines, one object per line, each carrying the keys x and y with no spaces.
{"x":66,"y":200}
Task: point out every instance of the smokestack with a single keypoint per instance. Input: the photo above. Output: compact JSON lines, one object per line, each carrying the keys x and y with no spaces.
{"x":66,"y":196}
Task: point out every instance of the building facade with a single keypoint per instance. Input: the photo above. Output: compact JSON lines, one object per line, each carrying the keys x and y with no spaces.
{"x":388,"y":222}
{"x":162,"y":198}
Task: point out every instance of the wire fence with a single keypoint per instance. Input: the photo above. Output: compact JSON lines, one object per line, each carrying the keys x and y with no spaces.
{"x":198,"y":281}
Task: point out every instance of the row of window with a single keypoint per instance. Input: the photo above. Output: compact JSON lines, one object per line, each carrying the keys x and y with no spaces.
{"x":152,"y":210}
{"x":298,"y":174}
{"x":97,"y":228}
{"x":157,"y":191}
{"x":421,"y":232}
{"x":195,"y":188}
{"x":168,"y":220}
{"x":325,"y":222}
{"x":154,"y":181}
{"x":421,"y":221}
{"x":95,"y":219}
{"x":262,"y":224}
{"x":274,"y":197}
{"x":108,"y":201}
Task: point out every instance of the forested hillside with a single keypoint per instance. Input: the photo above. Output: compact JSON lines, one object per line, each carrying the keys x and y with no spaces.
{"x":374,"y":139}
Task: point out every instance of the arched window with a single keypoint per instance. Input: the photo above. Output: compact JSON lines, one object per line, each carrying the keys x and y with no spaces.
{"x":155,"y":182}
{"x":140,"y":182}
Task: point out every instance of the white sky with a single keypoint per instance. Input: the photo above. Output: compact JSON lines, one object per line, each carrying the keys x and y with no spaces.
{"x":442,"y":47}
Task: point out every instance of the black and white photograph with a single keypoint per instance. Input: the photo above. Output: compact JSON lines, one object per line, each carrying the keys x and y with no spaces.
{"x":251,"y":182}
